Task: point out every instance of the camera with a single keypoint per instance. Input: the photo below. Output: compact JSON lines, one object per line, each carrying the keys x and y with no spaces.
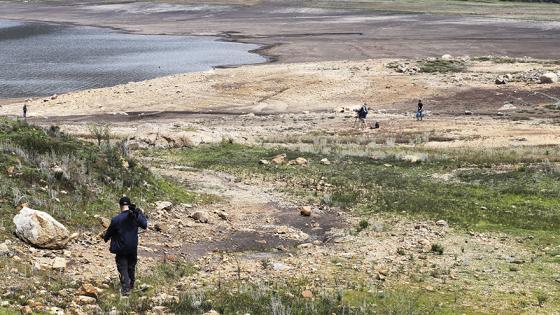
{"x":133,"y":210}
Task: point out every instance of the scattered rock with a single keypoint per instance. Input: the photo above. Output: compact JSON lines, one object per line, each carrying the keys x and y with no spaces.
{"x":442,"y":223}
{"x":280,"y":267}
{"x":4,"y":249}
{"x":88,"y":289}
{"x":279,"y":159}
{"x":549,"y":77}
{"x":501,"y":80}
{"x":264,"y":162}
{"x":161,"y":227}
{"x":325,"y":161}
{"x":82,"y":300}
{"x":298,"y":161}
{"x":305,"y":211}
{"x":200,"y":216}
{"x":468,"y":112}
{"x":507,"y":106}
{"x":446,"y":57}
{"x":307,"y":294}
{"x":164,"y":205}
{"x":211,"y":312}
{"x":55,"y":310}
{"x":223,"y":215}
{"x":59,"y":263}
{"x":40,"y":229}
{"x":104,"y":222}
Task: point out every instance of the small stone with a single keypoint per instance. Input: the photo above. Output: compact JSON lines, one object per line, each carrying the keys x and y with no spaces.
{"x":88,"y":289}
{"x":307,"y":294}
{"x":82,"y":300}
{"x":59,"y":263}
{"x":200,"y":216}
{"x":161,"y":227}
{"x":264,"y":162}
{"x":325,"y":161}
{"x":26,"y":310}
{"x":4,"y":249}
{"x":104,"y":222}
{"x":298,"y":161}
{"x":164,"y":205}
{"x":223,"y":215}
{"x":305,"y":211}
{"x":442,"y":223}
{"x":280,"y":267}
{"x":279,"y":159}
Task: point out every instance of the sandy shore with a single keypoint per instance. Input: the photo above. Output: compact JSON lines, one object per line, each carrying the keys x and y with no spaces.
{"x":315,"y":86}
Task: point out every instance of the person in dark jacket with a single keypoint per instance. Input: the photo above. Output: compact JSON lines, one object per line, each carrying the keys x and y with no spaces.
{"x":420,"y":110}
{"x":123,"y":233}
{"x":24,"y":111}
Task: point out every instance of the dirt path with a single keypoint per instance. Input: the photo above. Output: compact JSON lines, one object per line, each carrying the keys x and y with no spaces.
{"x":248,"y":218}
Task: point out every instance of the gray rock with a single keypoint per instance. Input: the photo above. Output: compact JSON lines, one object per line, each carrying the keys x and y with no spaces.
{"x":164,"y":205}
{"x":4,"y":249}
{"x":200,"y":216}
{"x":40,"y":229}
{"x":280,"y":267}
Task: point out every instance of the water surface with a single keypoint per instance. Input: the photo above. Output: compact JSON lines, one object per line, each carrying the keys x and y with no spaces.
{"x":44,"y":59}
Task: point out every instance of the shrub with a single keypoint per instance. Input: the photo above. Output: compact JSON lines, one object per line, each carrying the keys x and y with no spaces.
{"x":362,"y":225}
{"x":437,"y":248}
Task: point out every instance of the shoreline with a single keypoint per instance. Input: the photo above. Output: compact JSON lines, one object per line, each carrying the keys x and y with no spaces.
{"x":224,"y":37}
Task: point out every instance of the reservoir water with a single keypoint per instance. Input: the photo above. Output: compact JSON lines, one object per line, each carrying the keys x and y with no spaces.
{"x":39,"y":59}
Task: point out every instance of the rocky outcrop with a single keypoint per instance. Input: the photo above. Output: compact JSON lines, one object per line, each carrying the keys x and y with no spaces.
{"x":40,"y":229}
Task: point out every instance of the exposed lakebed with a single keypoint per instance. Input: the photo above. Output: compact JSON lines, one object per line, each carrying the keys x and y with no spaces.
{"x":42,"y":59}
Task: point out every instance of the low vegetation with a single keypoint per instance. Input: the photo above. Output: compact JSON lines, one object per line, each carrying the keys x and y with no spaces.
{"x":476,"y":191}
{"x":442,"y":66}
{"x":74,"y":180}
{"x":280,"y":298}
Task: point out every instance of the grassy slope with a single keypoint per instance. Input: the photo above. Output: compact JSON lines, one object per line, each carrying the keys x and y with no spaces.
{"x":71,"y":179}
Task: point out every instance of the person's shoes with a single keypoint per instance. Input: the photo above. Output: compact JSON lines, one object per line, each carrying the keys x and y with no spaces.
{"x":125,"y":293}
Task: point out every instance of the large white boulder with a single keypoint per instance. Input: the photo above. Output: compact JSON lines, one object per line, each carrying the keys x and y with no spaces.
{"x":40,"y":229}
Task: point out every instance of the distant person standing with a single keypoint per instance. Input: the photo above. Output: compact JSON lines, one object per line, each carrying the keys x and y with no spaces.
{"x":24,"y":111}
{"x":420,"y":110}
{"x":361,"y":114}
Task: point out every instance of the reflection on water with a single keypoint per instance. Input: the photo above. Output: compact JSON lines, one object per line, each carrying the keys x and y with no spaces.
{"x":43,"y":59}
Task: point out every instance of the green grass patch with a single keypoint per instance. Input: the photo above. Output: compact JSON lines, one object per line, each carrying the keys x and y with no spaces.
{"x":280,"y":299}
{"x":526,"y":197}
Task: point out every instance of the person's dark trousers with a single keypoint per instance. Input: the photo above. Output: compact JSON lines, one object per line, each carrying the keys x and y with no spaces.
{"x":126,"y":265}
